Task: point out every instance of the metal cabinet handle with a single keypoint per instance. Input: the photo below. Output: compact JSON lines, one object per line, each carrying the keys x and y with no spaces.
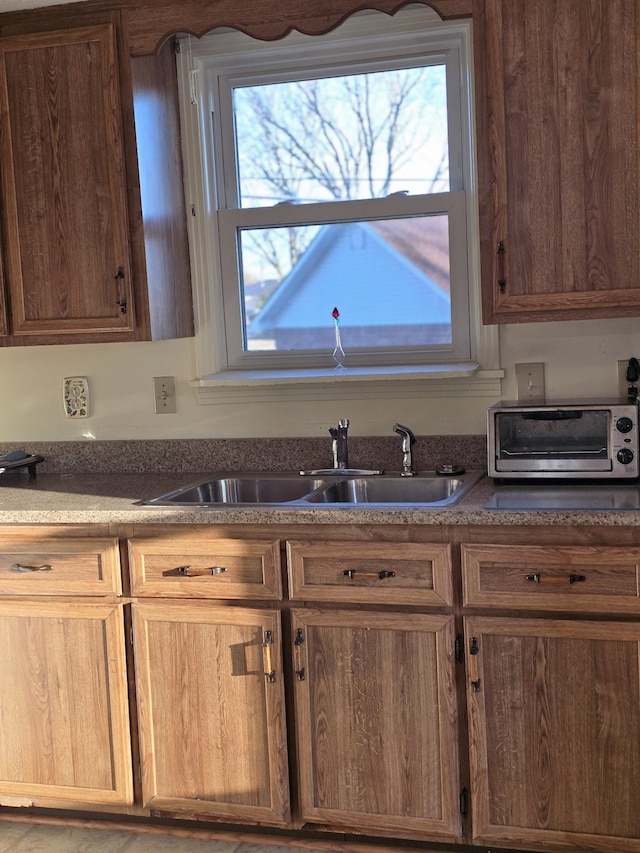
{"x":378,"y":576}
{"x":269,"y":671}
{"x":186,"y":572}
{"x":18,"y":567}
{"x":500,"y":252}
{"x":121,"y":302}
{"x":474,"y":650}
{"x":537,"y":577}
{"x":297,"y":651}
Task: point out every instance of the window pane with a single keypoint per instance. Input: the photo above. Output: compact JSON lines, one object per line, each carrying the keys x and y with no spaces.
{"x":346,"y":137}
{"x":389,"y":279}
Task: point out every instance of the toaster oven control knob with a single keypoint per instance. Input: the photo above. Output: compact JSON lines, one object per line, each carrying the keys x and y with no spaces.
{"x":625,"y":456}
{"x":624,"y":425}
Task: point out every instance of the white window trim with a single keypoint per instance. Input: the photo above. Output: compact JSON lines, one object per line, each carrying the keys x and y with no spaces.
{"x":215,"y":383}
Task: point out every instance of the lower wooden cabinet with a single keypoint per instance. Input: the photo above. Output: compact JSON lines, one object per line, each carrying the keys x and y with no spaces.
{"x":310,"y":680}
{"x":64,"y":713}
{"x":211,"y":710}
{"x":554,"y":712}
{"x":376,"y":721}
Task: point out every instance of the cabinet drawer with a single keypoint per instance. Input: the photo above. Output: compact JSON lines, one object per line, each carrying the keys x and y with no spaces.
{"x":57,"y":566}
{"x":370,"y":572}
{"x":558,"y":577}
{"x":205,"y":567}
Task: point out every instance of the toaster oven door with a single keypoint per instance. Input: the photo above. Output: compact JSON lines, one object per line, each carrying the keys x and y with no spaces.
{"x":551,"y":441}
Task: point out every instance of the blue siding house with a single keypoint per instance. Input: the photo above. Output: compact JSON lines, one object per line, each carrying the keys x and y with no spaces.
{"x":389,"y":280}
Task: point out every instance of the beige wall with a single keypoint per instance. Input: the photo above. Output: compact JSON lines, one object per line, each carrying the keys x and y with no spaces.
{"x":580,"y":360}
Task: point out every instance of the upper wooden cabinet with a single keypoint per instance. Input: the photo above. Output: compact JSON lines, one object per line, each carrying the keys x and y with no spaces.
{"x":558,"y":111}
{"x":67,"y":248}
{"x":73,"y":232}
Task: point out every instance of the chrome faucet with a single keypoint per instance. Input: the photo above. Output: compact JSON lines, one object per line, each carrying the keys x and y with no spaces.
{"x":408,"y":440}
{"x":340,"y":456}
{"x":341,"y":448}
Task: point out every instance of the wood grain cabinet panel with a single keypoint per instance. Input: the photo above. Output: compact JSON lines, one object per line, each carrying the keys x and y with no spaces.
{"x":205,"y":566}
{"x":41,"y":563}
{"x":578,"y":578}
{"x":63,"y":704}
{"x":370,"y":572}
{"x":376,"y":721}
{"x":211,"y":710}
{"x":64,"y":184}
{"x":554,"y":733}
{"x":150,"y":21}
{"x":558,"y":97}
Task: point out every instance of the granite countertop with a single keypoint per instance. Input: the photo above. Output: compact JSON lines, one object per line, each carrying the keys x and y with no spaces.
{"x":81,"y":498}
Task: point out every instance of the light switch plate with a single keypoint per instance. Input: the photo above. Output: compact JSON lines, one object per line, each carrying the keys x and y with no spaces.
{"x":75,"y":396}
{"x":164,"y":395}
{"x":530,"y":381}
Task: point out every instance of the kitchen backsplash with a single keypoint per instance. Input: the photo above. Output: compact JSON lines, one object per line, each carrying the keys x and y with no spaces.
{"x":264,"y":454}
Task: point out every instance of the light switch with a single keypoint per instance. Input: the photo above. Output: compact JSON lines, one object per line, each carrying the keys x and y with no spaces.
{"x":530,"y":381}
{"x":164,"y":394}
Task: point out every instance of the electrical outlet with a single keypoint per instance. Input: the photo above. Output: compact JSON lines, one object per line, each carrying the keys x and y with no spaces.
{"x":75,"y":396}
{"x":530,"y":381}
{"x":164,"y":395}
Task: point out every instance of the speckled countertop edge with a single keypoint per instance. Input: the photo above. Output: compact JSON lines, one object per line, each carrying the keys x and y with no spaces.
{"x":99,"y":498}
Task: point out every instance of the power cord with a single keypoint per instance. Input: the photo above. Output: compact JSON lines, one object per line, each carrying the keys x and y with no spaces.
{"x":632,"y":376}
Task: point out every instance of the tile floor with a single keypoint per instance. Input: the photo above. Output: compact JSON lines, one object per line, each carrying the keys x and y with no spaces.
{"x":42,"y":838}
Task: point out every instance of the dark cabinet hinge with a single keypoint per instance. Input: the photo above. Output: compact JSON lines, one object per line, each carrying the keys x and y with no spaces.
{"x":464,"y":802}
{"x":459,"y":648}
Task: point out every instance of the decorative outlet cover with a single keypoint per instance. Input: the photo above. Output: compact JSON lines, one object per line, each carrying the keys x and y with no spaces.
{"x":76,"y":396}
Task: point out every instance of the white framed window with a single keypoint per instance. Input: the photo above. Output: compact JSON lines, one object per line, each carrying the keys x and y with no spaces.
{"x":332,"y":186}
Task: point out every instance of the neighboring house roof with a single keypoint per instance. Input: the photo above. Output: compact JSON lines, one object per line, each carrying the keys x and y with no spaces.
{"x":424,"y":241}
{"x":371,"y":271}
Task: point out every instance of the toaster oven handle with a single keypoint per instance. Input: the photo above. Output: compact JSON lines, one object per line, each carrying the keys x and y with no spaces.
{"x":571,"y":415}
{"x":537,"y":577}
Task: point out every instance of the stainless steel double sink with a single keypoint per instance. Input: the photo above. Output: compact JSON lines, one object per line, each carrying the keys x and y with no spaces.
{"x":277,"y":489}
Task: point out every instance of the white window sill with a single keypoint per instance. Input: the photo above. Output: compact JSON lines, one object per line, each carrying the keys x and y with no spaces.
{"x":446,"y":380}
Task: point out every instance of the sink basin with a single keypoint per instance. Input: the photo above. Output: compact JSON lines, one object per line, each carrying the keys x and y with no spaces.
{"x":241,"y":489}
{"x":427,"y":489}
{"x":432,"y":490}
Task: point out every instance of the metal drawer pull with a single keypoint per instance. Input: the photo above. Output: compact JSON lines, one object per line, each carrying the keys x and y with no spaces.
{"x":351,"y":573}
{"x":185,"y":572}
{"x":555,"y":579}
{"x":18,"y":567}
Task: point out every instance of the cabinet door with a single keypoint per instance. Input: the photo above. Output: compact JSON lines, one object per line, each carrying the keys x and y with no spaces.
{"x":554,"y":714}
{"x":211,"y":710}
{"x":376,"y":721}
{"x":63,"y":704}
{"x":64,"y":186}
{"x":558,"y":154}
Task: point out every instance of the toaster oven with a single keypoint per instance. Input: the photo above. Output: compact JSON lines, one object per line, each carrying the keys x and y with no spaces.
{"x":565,"y":440}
